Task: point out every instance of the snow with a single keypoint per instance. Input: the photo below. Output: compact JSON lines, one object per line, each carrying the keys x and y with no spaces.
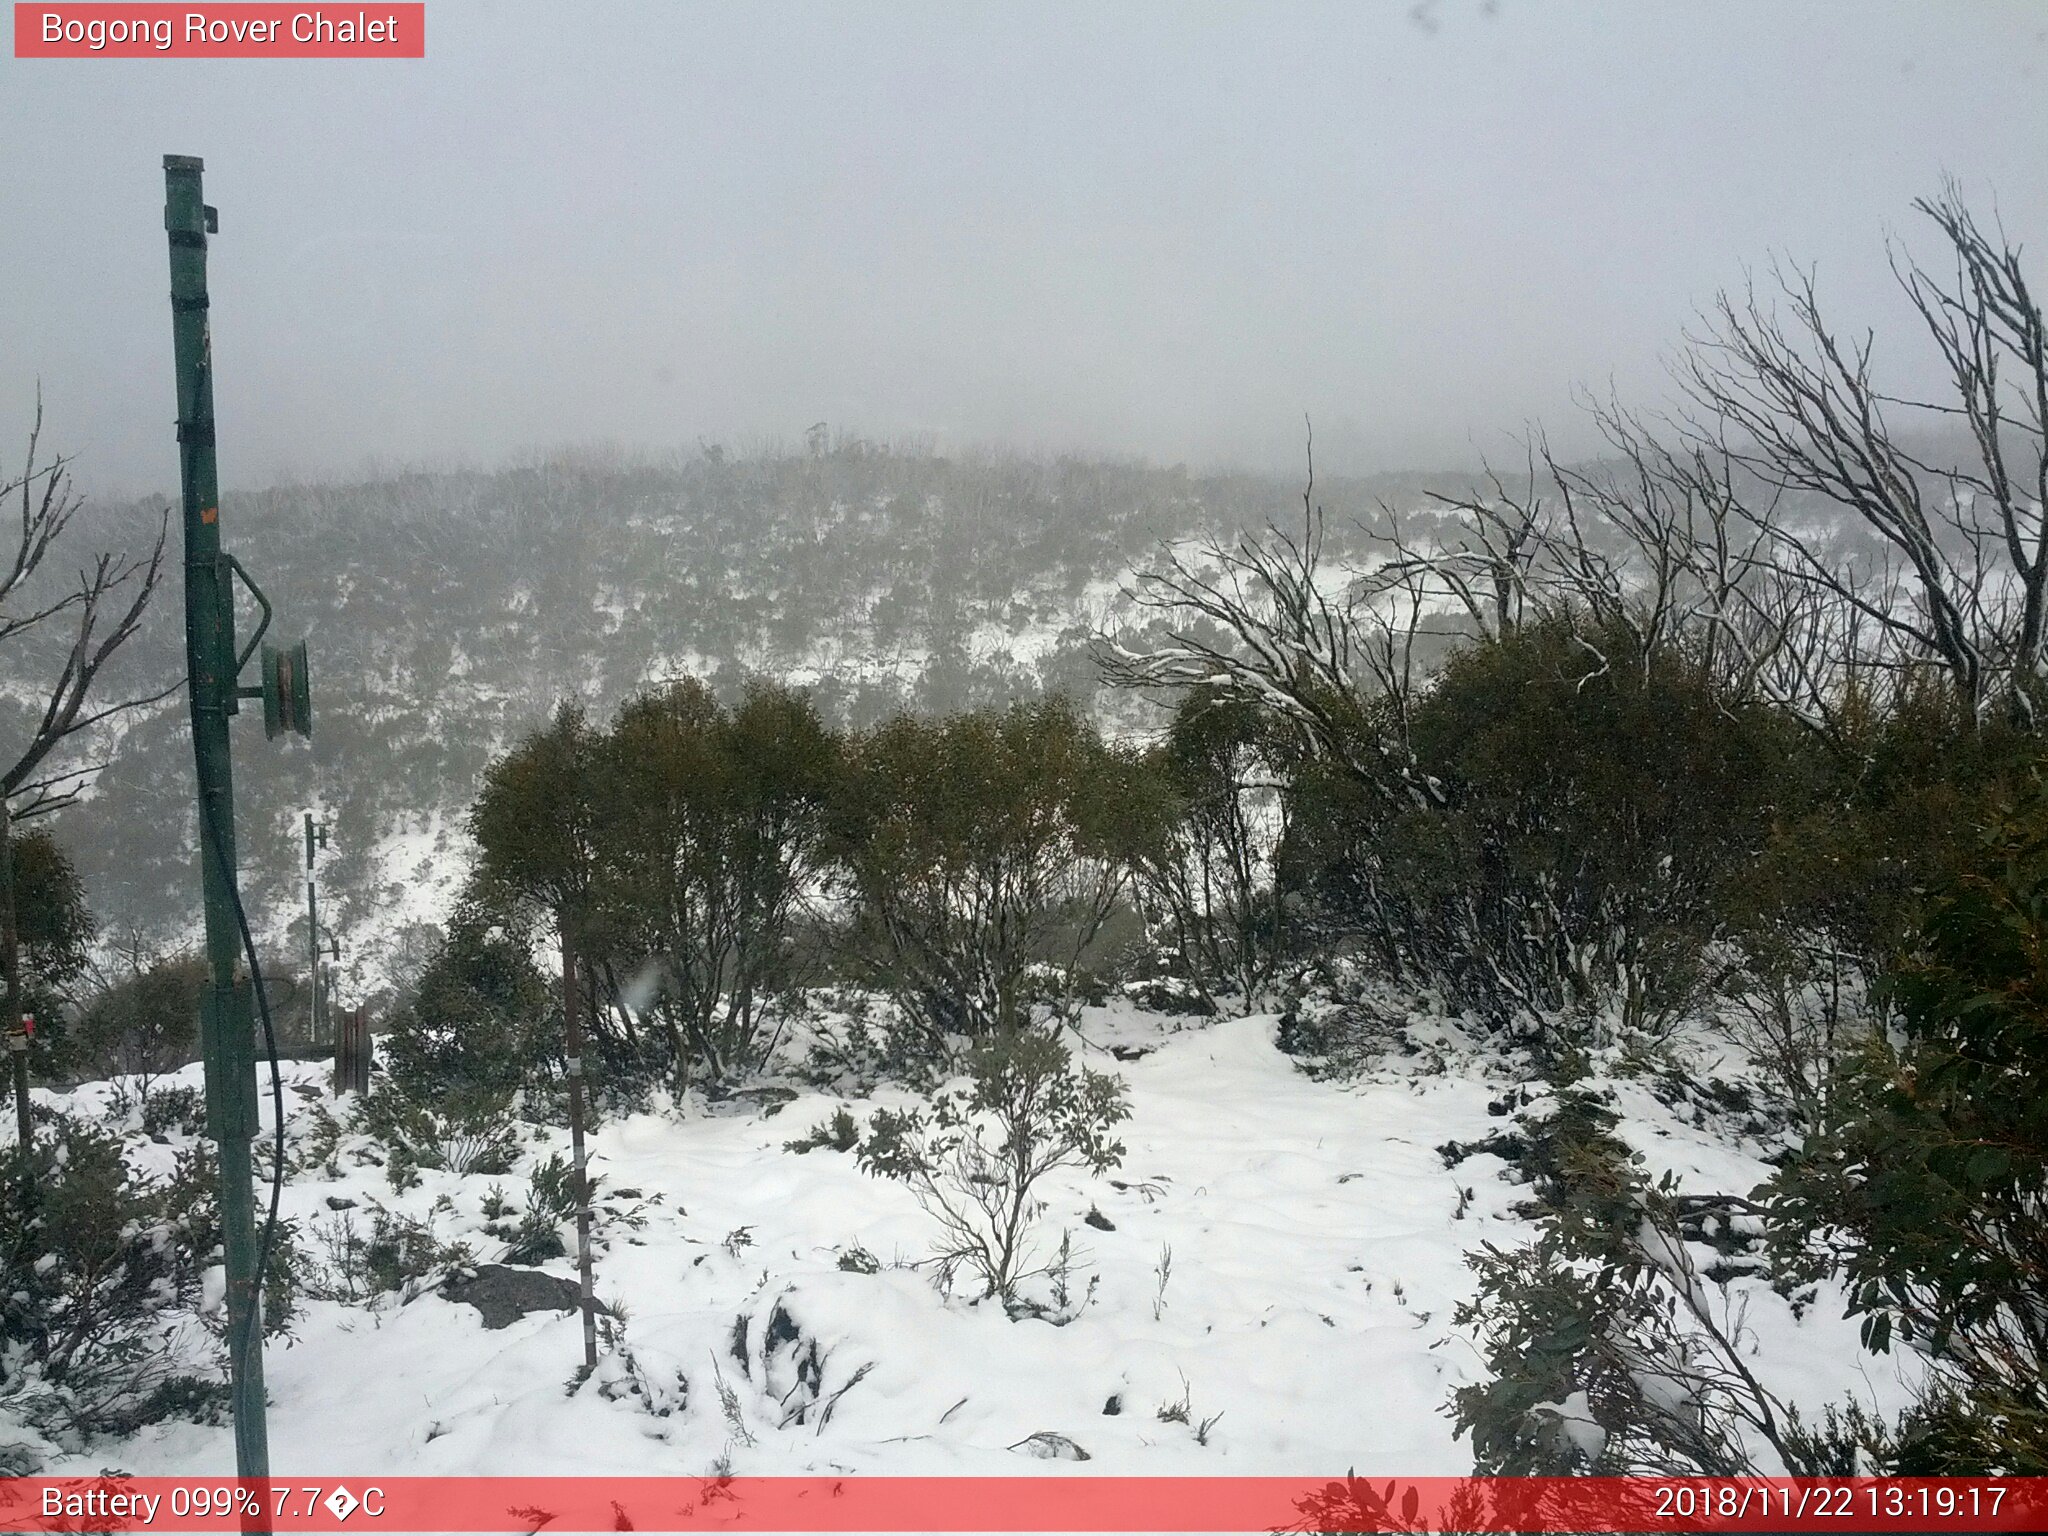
{"x":1313,"y":1242}
{"x":1574,"y":1418}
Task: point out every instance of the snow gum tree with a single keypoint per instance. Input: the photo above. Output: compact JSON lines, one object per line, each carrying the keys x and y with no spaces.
{"x":712,"y":829}
{"x":1204,"y":861}
{"x":982,"y":852}
{"x":535,"y":822}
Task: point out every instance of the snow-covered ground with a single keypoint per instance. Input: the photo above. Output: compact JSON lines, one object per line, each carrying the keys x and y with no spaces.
{"x":1316,"y":1240}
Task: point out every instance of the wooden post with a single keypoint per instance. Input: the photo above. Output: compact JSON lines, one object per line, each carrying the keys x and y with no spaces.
{"x":17,"y":1049}
{"x":352,"y":1051}
{"x":572,"y":1031}
{"x":359,"y":1020}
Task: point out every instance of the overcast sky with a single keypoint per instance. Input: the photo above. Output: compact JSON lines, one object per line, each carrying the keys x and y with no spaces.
{"x":1167,"y":230}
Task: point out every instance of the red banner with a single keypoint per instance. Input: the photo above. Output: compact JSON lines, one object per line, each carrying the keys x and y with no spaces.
{"x":1049,"y":1503}
{"x":261,"y":31}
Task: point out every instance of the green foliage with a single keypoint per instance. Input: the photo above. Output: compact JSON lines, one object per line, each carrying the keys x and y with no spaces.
{"x":1898,"y":805}
{"x":1336,"y":1029}
{"x":866,"y":1041}
{"x":1605,"y":1352}
{"x":467,"y":1133}
{"x":839,"y":1134}
{"x":1591,"y":816}
{"x":1209,"y":819}
{"x":550,"y":1203}
{"x":1929,"y":1193}
{"x":856,"y":1260}
{"x":711,"y":831}
{"x":553,"y":1193}
{"x":191,"y":1205}
{"x":535,"y":819}
{"x":397,"y":1254}
{"x":181,"y":1109}
{"x":676,"y":847}
{"x":93,"y":1259}
{"x":482,"y":1022}
{"x":977,"y":1159}
{"x":54,"y":929}
{"x":144,"y":1024}
{"x":979,"y":850}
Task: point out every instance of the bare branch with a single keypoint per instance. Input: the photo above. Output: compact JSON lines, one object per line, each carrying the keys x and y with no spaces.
{"x":104,"y":610}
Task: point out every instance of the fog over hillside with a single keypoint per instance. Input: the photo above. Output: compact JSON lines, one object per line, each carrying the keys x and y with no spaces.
{"x":449,"y":612}
{"x":1261,"y":739}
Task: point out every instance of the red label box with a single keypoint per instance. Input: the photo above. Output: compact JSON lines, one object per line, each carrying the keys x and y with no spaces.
{"x":1044,"y":1504}
{"x":371,"y":30}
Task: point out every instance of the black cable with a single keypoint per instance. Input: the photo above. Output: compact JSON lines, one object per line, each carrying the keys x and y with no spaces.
{"x":276,"y":1080}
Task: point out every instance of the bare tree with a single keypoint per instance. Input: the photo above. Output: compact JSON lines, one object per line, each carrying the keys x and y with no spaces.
{"x":100,"y":614}
{"x":1712,"y":542}
{"x":1702,"y":535}
{"x":1326,"y":650}
{"x":1961,"y":580}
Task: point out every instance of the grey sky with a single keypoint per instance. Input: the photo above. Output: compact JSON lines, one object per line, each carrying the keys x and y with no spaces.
{"x":1160,"y":229}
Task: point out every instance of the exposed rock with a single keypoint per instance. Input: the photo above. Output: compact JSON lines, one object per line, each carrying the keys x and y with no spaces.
{"x":768,"y":1098}
{"x":504,"y":1294}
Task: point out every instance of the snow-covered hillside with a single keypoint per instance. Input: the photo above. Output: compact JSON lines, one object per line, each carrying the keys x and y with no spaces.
{"x":448,"y":614}
{"x":1265,"y":1285}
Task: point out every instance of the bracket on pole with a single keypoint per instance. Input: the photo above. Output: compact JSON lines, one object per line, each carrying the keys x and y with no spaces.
{"x":285,"y":689}
{"x":287,"y":696}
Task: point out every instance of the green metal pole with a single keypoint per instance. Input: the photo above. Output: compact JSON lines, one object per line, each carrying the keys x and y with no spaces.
{"x":227,"y":1034}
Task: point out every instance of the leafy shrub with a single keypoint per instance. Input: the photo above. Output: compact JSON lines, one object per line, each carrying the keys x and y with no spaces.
{"x":398,"y":1254}
{"x":144,"y":1024}
{"x":1212,"y":821}
{"x":677,"y":847}
{"x":482,"y":1023}
{"x":1340,"y":1037}
{"x":870,"y":1042}
{"x":977,"y":1162}
{"x":54,"y":929}
{"x":550,"y":1202}
{"x":841,"y":1133}
{"x":1590,"y":814}
{"x":1897,"y":816}
{"x":711,"y":832}
{"x":856,"y":1260}
{"x":1606,"y":1353}
{"x":95,"y":1263}
{"x":1799,"y":1011}
{"x":190,"y":1201}
{"x":181,"y":1108}
{"x":472,"y":1133}
{"x":553,"y":1188}
{"x":1929,"y":1193}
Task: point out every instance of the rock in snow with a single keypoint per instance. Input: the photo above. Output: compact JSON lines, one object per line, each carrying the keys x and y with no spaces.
{"x":504,"y":1294}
